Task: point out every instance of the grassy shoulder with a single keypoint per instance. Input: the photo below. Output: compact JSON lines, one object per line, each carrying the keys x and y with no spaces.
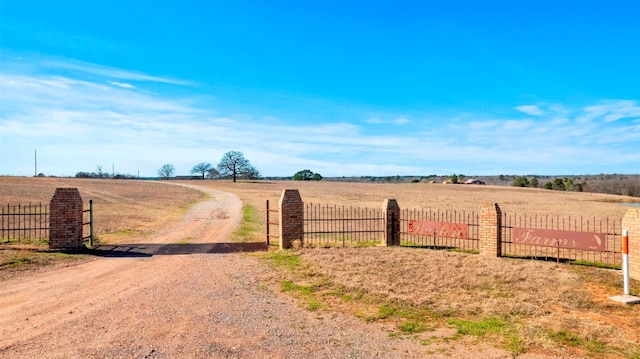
{"x":250,"y":229}
{"x":16,"y":259}
{"x":519,"y":306}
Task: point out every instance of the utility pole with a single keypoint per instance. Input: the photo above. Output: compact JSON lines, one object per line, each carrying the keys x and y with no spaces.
{"x":35,"y":156}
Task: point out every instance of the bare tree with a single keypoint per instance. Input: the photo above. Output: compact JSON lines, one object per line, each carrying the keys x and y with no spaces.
{"x":251,"y":173}
{"x":213,"y":173}
{"x":234,"y":164}
{"x":201,"y":168}
{"x":100,"y":173}
{"x":166,"y":171}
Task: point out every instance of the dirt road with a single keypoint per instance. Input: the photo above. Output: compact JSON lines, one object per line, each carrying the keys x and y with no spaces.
{"x":162,"y":299}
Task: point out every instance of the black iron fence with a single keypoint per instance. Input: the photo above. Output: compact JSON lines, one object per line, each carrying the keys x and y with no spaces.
{"x":589,"y":241}
{"x":87,"y":224}
{"x":24,"y":223}
{"x":29,"y":223}
{"x":327,"y":225}
{"x":271,"y":223}
{"x":571,"y":240}
{"x":439,"y":229}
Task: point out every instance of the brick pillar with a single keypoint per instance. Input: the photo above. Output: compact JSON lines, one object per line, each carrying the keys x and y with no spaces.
{"x":490,"y":231}
{"x":291,"y":218}
{"x":65,"y":220}
{"x":631,"y":222}
{"x":391,"y":215}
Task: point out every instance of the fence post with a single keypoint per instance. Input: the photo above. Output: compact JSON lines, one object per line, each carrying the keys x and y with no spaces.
{"x":490,"y":233}
{"x":65,"y":219}
{"x":291,"y":218}
{"x":631,"y":221}
{"x":267,"y":222}
{"x":391,"y":215}
{"x":91,"y":223}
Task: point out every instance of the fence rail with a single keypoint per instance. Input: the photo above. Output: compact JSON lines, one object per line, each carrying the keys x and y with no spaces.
{"x":588,"y":241}
{"x":439,"y":229}
{"x":29,"y":223}
{"x":88,"y":222}
{"x":326,"y":225}
{"x":24,"y":223}
{"x":562,"y":239}
{"x":271,"y":223}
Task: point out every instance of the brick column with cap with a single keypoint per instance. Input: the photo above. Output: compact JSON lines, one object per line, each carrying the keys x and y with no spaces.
{"x":291,"y":218}
{"x":631,"y":222}
{"x":65,"y":220}
{"x":391,"y":215}
{"x":490,"y":237}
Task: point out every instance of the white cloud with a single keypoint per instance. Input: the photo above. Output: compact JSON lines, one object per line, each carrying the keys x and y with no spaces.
{"x":532,"y":110}
{"x":77,"y":124}
{"x":90,"y":68}
{"x":402,"y":120}
{"x":121,"y":84}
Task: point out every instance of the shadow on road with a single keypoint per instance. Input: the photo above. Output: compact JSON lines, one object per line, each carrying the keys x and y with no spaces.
{"x":148,"y":250}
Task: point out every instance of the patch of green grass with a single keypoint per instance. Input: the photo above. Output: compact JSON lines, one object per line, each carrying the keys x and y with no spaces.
{"x":480,"y":328}
{"x":515,"y":344}
{"x":385,"y":311}
{"x":126,"y":232}
{"x":18,"y":241}
{"x":288,"y":286}
{"x":27,"y":259}
{"x":596,"y":346}
{"x":565,"y":337}
{"x":364,"y":244}
{"x":460,"y":250}
{"x":250,"y":226}
{"x":284,"y":259}
{"x":313,"y":304}
{"x":581,"y":262}
{"x":411,"y":327}
{"x":185,"y":240}
{"x":306,"y":290}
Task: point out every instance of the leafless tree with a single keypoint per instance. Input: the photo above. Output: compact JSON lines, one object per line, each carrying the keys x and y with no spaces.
{"x":100,"y":173}
{"x":213,"y":173}
{"x":234,"y":164}
{"x":166,"y":171}
{"x":201,"y":168}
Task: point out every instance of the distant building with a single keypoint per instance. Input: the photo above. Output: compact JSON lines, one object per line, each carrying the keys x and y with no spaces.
{"x":187,"y":178}
{"x":473,"y":181}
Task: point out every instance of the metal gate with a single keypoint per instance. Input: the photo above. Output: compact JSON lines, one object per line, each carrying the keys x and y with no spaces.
{"x":439,"y":229}
{"x":587,"y":241}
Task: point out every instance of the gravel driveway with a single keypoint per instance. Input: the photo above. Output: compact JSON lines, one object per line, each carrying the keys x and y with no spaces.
{"x":156,"y":300}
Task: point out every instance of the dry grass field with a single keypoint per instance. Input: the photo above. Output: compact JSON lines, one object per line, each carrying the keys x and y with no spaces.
{"x":512,"y":200}
{"x":437,"y":297}
{"x":440,"y":296}
{"x":123,"y":209}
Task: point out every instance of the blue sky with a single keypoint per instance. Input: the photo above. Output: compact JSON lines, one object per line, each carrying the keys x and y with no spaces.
{"x":338,"y":87}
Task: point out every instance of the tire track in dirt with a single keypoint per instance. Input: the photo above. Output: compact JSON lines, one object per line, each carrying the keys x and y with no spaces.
{"x":32,"y":306}
{"x":187,"y":306}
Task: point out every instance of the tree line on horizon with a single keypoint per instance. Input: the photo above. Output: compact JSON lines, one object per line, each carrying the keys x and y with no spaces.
{"x":232,"y":165}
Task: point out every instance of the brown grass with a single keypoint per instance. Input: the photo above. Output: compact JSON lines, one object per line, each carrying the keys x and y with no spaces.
{"x":124,"y":210}
{"x":436,"y":196}
{"x":538,"y":306}
{"x":520,"y":305}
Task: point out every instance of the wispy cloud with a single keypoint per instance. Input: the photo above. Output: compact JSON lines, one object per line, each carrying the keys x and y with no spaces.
{"x":532,"y":110}
{"x":394,"y":121}
{"x":121,"y":84}
{"x":77,"y":123}
{"x":106,"y":71}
